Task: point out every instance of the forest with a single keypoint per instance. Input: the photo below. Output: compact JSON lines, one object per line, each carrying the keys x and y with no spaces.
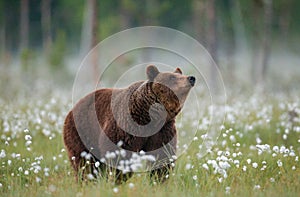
{"x":60,"y":31}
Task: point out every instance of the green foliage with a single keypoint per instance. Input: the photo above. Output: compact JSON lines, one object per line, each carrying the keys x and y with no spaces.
{"x":27,"y":57}
{"x":58,"y":51}
{"x":41,"y":168}
{"x":109,"y":26}
{"x":67,"y":16}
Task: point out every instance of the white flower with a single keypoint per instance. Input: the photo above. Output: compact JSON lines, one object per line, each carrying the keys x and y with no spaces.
{"x":282,"y":149}
{"x":115,"y":190}
{"x":263,"y":168}
{"x":28,"y":143}
{"x":122,"y":152}
{"x":236,"y":162}
{"x":97,"y":164}
{"x":294,"y":168}
{"x":120,"y":143}
{"x":38,"y":180}
{"x":220,"y":180}
{"x":292,"y":154}
{"x":110,"y":155}
{"x":28,"y":137}
{"x":284,"y":136}
{"x":83,"y":154}
{"x":26,"y":172}
{"x":90,"y":177}
{"x":224,"y":164}
{"x":258,"y":140}
{"x":248,"y":161}
{"x":254,"y":165}
{"x":188,"y":166}
{"x":131,"y":185}
{"x":2,"y":154}
{"x":279,"y":163}
{"x":195,"y":177}
{"x":227,"y":190}
{"x":88,"y":156}
{"x":205,"y":166}
{"x":272,"y":180}
{"x":276,"y":149}
{"x":256,"y":187}
{"x":263,"y":148}
{"x":232,"y":138}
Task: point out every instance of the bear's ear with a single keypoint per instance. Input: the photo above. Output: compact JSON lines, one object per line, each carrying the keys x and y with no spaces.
{"x":178,"y":70}
{"x":152,"y":72}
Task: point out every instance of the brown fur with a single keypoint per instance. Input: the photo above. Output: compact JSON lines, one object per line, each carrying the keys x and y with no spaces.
{"x":99,"y":121}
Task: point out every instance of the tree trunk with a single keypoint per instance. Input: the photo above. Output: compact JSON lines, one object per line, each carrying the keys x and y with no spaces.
{"x":2,"y":36}
{"x":24,"y":24}
{"x":46,"y":24}
{"x":256,"y":41}
{"x":95,"y":40}
{"x":199,"y":19}
{"x":90,"y":36}
{"x":212,"y":41}
{"x":284,"y":20}
{"x":86,"y":33}
{"x":94,"y":19}
{"x":266,"y":39}
{"x":124,"y":16}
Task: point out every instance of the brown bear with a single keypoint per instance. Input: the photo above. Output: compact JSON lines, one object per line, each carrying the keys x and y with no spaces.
{"x":139,"y":118}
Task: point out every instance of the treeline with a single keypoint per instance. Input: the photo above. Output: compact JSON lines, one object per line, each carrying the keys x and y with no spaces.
{"x":60,"y":27}
{"x":191,"y":16}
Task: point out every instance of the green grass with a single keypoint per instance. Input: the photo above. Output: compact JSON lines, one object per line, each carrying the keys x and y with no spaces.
{"x":52,"y":175}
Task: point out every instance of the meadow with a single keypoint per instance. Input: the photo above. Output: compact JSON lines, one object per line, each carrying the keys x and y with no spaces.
{"x":256,"y":154}
{"x":47,"y":55}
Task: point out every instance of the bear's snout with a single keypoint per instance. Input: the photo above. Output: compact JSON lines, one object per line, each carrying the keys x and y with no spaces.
{"x":192,"y":80}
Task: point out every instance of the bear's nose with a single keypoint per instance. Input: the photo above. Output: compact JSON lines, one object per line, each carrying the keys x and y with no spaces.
{"x":192,"y":80}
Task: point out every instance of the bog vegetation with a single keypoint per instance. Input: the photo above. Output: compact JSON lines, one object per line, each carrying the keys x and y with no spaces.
{"x":254,"y":43}
{"x":257,"y":152}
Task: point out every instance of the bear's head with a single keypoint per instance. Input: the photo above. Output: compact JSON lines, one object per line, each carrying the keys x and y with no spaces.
{"x":170,"y":88}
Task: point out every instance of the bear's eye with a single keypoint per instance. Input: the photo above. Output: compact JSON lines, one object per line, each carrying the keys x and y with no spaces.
{"x":172,"y":77}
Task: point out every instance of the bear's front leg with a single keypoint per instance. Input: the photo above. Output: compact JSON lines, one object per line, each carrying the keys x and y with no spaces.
{"x":161,"y":174}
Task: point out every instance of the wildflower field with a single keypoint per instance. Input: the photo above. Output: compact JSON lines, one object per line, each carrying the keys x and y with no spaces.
{"x":235,"y":65}
{"x":256,"y":154}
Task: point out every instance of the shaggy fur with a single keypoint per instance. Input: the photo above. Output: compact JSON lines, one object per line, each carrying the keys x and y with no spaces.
{"x":100,"y":120}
